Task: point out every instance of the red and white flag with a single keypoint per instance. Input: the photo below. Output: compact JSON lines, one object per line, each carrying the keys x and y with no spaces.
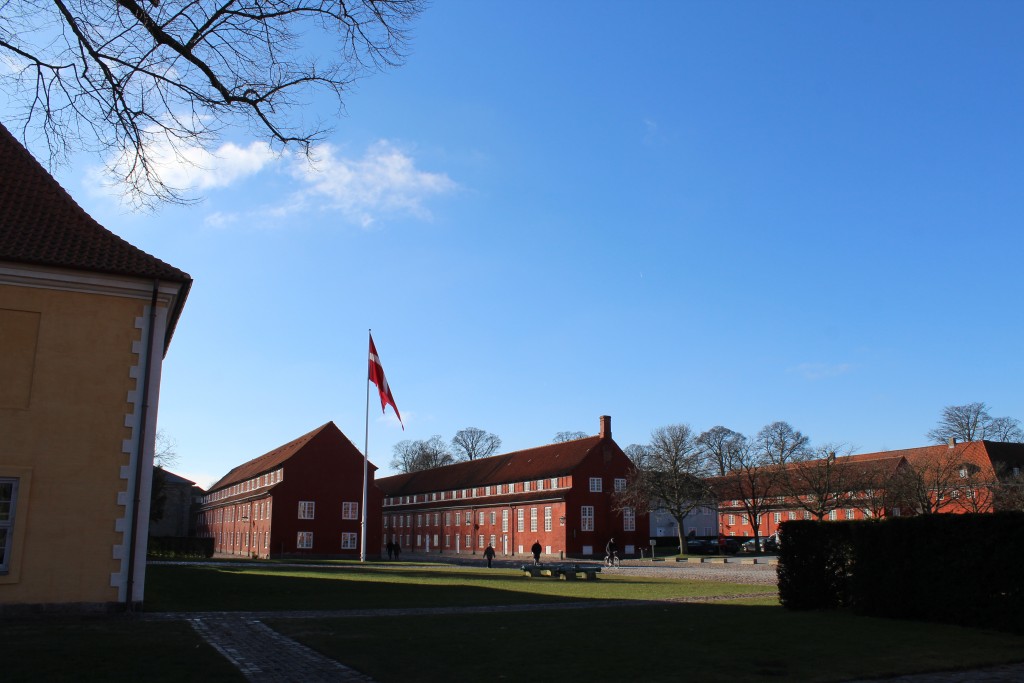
{"x":377,"y":377}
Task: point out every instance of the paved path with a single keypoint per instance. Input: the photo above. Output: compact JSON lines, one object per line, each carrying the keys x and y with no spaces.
{"x":265,"y":656}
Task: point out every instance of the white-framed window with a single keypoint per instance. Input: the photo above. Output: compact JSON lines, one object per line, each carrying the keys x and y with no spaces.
{"x":481,"y":539}
{"x":307,"y":509}
{"x":732,"y":519}
{"x":832,"y":515}
{"x":8,"y":504}
{"x":628,"y":519}
{"x":305,"y":540}
{"x":504,"y":521}
{"x":620,"y":484}
{"x":777,"y":517}
{"x":349,"y":510}
{"x":494,"y":540}
{"x":520,"y":520}
{"x":595,"y":484}
{"x":469,"y":519}
{"x":469,"y":541}
{"x":487,"y":490}
{"x":533,"y":519}
{"x":744,"y":519}
{"x":349,"y":540}
{"x":547,"y":518}
{"x":437,"y":520}
{"x":792,"y":515}
{"x":447,"y":519}
{"x":458,"y":519}
{"x":849,"y":513}
{"x":554,"y":482}
{"x":419,"y":520}
{"x":481,"y":521}
{"x":587,"y":518}
{"x":807,"y":514}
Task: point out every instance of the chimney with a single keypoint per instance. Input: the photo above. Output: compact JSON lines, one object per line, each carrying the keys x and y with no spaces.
{"x":952,"y":442}
{"x":606,"y":427}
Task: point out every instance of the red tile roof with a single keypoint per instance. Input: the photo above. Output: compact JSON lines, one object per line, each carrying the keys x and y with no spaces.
{"x":553,"y":460}
{"x":275,"y":458}
{"x":41,"y":224}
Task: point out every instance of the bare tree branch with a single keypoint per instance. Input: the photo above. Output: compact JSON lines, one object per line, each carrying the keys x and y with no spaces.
{"x":126,"y":80}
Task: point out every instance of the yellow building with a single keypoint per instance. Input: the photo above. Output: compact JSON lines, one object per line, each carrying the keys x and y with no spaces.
{"x":85,"y":321}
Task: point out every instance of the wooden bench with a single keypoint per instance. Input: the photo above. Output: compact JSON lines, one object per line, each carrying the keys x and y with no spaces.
{"x":566,"y":572}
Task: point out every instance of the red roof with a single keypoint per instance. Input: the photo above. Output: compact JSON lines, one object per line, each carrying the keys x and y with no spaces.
{"x":553,"y":460}
{"x":41,"y":224}
{"x":275,"y":458}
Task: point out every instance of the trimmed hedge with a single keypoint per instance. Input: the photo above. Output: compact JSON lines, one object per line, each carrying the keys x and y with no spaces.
{"x":174,"y":546}
{"x":962,"y":569}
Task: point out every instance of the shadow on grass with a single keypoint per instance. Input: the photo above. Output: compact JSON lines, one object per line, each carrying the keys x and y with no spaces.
{"x":107,"y":648}
{"x":708,"y":643}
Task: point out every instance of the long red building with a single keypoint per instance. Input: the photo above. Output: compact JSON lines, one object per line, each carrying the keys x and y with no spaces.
{"x":561,"y":495}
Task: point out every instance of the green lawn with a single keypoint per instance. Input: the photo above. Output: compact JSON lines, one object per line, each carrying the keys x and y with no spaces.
{"x":268,"y":587}
{"x":747,"y":637}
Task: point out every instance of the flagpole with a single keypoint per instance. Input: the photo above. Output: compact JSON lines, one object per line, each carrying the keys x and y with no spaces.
{"x":366,"y":460}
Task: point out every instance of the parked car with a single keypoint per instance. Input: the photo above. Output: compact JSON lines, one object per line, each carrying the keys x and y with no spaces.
{"x":769,"y":544}
{"x":750,"y":546}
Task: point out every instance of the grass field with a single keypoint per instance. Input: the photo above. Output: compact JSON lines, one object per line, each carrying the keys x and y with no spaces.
{"x":742,"y":636}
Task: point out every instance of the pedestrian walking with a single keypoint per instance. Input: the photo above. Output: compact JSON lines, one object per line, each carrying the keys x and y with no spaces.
{"x":489,"y":554}
{"x":536,"y":549}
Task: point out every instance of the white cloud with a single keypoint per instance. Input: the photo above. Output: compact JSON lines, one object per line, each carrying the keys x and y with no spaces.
{"x":195,"y":168}
{"x":816,"y":371}
{"x":384,"y":181}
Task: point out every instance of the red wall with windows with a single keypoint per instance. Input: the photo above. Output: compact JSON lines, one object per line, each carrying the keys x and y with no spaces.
{"x":326,"y":471}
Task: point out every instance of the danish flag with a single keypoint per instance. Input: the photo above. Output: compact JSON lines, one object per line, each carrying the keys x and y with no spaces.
{"x":377,"y":377}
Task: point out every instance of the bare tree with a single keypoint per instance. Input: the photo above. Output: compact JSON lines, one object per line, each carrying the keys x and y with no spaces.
{"x":472,"y":443}
{"x":128,"y":76}
{"x":1008,"y":492}
{"x":720,"y":446}
{"x":753,"y":481}
{"x":637,"y":453}
{"x":944,"y":481}
{"x":562,"y":437}
{"x":1004,"y":429}
{"x":413,"y":456}
{"x":672,"y":477}
{"x":779,"y":443}
{"x":821,"y":484}
{"x":963,"y":423}
{"x":165,"y":453}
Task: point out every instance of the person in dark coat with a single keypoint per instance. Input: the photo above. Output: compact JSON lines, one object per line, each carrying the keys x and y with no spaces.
{"x":536,"y":549}
{"x":489,"y":554}
{"x":391,"y":550}
{"x":398,"y":550}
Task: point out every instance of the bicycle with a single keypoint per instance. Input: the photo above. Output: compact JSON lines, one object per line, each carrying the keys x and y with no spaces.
{"x":612,"y":560}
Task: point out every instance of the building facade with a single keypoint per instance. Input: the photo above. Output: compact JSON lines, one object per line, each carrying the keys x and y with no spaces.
{"x":561,"y":495}
{"x":953,"y":478}
{"x":301,"y":499}
{"x":85,"y":321}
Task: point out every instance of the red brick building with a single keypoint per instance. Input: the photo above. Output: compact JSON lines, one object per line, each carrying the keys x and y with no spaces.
{"x":561,"y":495}
{"x":303,"y":498}
{"x":951,"y":478}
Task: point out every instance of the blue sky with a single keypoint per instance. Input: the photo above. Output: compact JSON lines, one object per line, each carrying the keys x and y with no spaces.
{"x":710,"y":213}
